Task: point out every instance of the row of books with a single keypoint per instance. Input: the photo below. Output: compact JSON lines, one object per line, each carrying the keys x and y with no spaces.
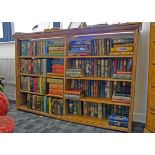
{"x":42,"y":47}
{"x":98,"y":110}
{"x":74,"y":107}
{"x":45,"y":104}
{"x":55,"y":106}
{"x":99,"y":89}
{"x":38,"y":103}
{"x":36,"y":66}
{"x":116,"y":68}
{"x":55,"y":87}
{"x":107,"y":89}
{"x":33,"y":84}
{"x":106,"y":46}
{"x":100,"y":47}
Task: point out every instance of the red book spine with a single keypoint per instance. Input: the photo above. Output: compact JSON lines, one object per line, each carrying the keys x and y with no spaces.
{"x":35,"y":85}
{"x":115,"y":66}
{"x":58,"y":66}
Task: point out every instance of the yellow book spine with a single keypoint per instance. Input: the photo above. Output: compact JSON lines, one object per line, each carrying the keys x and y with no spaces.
{"x":121,"y":49}
{"x":28,"y":80}
{"x":120,"y":53}
{"x":40,"y":83}
{"x":50,"y":105}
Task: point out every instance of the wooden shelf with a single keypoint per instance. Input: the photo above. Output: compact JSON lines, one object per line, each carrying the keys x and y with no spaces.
{"x":92,"y":122}
{"x":123,"y":56}
{"x":34,"y":75}
{"x":57,"y":77}
{"x":97,"y":78}
{"x":34,"y":93}
{"x":40,"y":57}
{"x":47,"y":76}
{"x":99,"y":100}
{"x":24,"y":108}
{"x":77,"y":119}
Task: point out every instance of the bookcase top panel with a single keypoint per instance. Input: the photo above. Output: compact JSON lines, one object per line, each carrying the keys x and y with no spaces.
{"x":80,"y":31}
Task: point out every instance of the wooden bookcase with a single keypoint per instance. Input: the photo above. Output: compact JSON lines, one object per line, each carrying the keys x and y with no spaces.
{"x":107,"y":31}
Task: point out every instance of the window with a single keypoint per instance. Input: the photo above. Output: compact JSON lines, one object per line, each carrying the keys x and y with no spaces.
{"x":6,"y":31}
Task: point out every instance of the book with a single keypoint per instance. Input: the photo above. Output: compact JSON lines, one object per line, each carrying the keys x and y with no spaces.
{"x":122,"y":49}
{"x":25,"y":45}
{"x":120,"y":53}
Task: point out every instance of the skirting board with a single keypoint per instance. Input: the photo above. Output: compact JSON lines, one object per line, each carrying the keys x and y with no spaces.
{"x":138,"y":117}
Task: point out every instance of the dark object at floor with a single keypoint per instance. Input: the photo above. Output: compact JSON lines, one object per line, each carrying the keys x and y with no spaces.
{"x":31,"y":123}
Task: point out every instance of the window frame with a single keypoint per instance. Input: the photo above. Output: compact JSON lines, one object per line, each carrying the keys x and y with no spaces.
{"x":8,"y":30}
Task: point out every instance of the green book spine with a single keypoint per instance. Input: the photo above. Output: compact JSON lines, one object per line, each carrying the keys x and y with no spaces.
{"x":85,"y":108}
{"x":100,"y":111}
{"x":45,"y":104}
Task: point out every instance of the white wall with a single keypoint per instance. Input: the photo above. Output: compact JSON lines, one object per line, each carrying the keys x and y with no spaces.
{"x":142,"y":74}
{"x":7,"y":68}
{"x":7,"y":52}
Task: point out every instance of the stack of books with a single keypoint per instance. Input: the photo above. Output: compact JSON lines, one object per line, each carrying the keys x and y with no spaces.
{"x":79,"y":48}
{"x":121,"y":98}
{"x":55,"y":87}
{"x":74,"y":72}
{"x":74,"y":94}
{"x":117,"y":120}
{"x":122,"y":75}
{"x":55,"y":106}
{"x":55,"y":48}
{"x":122,"y":46}
{"x":57,"y":69}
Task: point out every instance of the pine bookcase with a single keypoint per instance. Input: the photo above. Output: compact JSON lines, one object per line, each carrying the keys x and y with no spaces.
{"x":107,"y":31}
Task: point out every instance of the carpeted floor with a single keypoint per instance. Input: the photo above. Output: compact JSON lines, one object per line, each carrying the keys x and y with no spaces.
{"x":31,"y":123}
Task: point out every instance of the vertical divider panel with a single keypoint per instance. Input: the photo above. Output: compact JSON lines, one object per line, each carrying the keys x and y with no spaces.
{"x":136,"y":32}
